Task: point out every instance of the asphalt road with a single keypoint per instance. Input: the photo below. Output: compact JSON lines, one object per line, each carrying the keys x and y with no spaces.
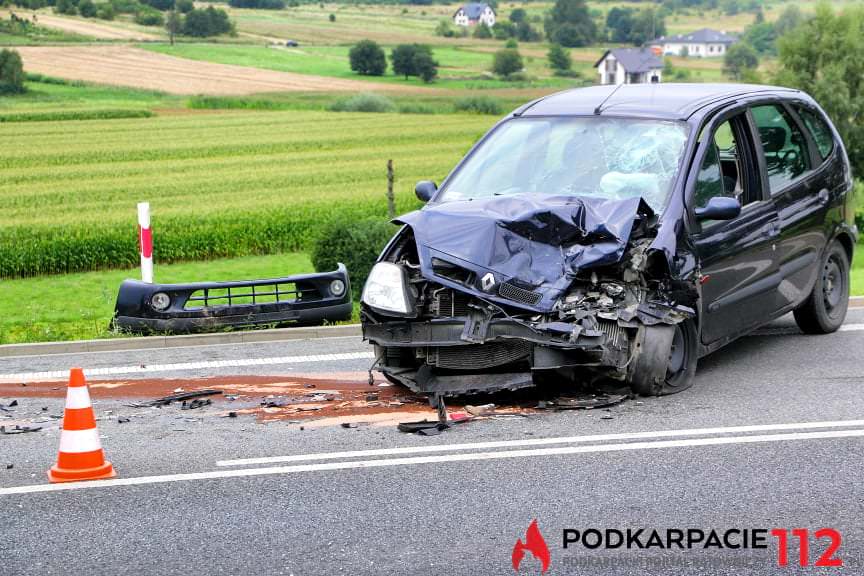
{"x":454,"y":503}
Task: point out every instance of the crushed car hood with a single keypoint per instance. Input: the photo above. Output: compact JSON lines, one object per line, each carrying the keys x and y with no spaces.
{"x":535,"y":244}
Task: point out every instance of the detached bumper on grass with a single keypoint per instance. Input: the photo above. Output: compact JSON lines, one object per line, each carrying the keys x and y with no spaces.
{"x":303,"y":299}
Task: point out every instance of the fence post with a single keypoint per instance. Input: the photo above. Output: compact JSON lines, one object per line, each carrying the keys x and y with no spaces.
{"x":391,"y":201}
{"x":145,"y":242}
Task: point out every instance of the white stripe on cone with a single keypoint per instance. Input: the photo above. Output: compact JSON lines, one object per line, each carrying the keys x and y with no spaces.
{"x":77,"y":397}
{"x":144,"y":224}
{"x":74,"y":441}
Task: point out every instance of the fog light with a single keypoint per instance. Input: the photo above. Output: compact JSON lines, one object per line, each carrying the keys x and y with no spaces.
{"x":160,"y":301}
{"x":337,"y":287}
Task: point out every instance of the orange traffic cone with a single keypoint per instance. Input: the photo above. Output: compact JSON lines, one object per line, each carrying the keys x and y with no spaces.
{"x":80,"y":456}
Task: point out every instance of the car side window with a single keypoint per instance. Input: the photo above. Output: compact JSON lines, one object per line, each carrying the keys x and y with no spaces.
{"x":783,"y":145}
{"x":820,"y":131}
{"x":722,"y":172}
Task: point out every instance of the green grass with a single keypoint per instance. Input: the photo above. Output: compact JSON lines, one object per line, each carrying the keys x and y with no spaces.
{"x":857,"y":279}
{"x":51,"y":94}
{"x":459,"y":67}
{"x":80,"y":306}
{"x":220,"y":185}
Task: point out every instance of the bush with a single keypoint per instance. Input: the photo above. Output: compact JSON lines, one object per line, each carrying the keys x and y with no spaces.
{"x":184,"y":6}
{"x":65,"y":7}
{"x":149,"y":17}
{"x":482,"y":31}
{"x":559,"y":59}
{"x":356,"y":244}
{"x":161,"y":5}
{"x":444,"y":29}
{"x":207,"y":22}
{"x":125,"y":6}
{"x":507,"y":62}
{"x":11,"y":72}
{"x":478,"y":105}
{"x":105,"y":12}
{"x":364,"y":102}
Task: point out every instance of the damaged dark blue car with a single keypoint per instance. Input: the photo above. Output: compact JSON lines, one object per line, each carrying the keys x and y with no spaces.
{"x":617,"y":232}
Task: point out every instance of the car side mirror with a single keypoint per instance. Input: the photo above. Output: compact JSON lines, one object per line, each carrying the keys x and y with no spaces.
{"x":425,"y":189}
{"x":719,"y":208}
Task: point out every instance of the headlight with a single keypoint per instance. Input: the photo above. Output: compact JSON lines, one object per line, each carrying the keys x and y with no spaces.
{"x":386,"y":288}
{"x":337,"y":287}
{"x":160,"y":301}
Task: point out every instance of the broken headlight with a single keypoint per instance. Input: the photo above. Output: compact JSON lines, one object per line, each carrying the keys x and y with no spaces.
{"x":386,"y":289}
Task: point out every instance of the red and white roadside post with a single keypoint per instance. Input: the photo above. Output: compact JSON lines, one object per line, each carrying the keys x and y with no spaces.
{"x":145,"y":242}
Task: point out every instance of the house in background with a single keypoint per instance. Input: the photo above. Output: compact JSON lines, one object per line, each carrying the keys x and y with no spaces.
{"x":704,"y":43}
{"x":629,"y":66}
{"x":474,"y":13}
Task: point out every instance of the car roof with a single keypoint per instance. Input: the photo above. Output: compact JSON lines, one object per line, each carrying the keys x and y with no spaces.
{"x":663,"y":101}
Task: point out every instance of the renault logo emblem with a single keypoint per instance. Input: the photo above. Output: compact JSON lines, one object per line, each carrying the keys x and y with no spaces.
{"x":487,"y":281}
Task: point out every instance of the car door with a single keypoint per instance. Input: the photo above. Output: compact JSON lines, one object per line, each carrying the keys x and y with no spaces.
{"x":739,"y":275}
{"x":799,"y":193}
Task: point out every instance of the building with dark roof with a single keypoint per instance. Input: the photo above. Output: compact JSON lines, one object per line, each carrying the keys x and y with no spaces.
{"x":704,"y":43}
{"x":629,"y":66}
{"x":474,"y":13}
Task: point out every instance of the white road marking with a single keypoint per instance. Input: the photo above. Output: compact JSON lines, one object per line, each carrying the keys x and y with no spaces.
{"x":474,"y":456}
{"x":851,"y":327}
{"x":544,"y":442}
{"x":183,"y":366}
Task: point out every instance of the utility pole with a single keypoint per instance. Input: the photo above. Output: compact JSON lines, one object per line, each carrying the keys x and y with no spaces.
{"x":391,"y":200}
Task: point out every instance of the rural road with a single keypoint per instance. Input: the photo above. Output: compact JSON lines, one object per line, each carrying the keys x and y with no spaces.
{"x":371,"y":500}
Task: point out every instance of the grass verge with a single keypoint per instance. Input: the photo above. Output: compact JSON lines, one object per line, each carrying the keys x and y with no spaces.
{"x":80,"y":306}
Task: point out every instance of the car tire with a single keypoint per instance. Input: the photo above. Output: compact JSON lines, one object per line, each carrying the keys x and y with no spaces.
{"x":824,"y":310}
{"x":680,"y":351}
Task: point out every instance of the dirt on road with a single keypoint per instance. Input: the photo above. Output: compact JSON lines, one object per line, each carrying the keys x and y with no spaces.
{"x":136,"y":68}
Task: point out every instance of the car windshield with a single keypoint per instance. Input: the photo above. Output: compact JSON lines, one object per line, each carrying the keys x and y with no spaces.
{"x":613,"y":158}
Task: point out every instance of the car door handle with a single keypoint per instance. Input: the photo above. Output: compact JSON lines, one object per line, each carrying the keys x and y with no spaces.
{"x":824,"y":196}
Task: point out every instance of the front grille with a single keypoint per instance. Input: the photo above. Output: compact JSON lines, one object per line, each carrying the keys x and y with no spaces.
{"x":517,"y":294}
{"x":250,"y":294}
{"x":478,"y":356}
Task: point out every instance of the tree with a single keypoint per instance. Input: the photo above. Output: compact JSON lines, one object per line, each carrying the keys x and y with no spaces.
{"x":518,"y":15}
{"x":527,"y":33}
{"x":11,"y":72}
{"x":739,"y":59}
{"x":444,"y":29}
{"x":425,"y":65}
{"x":824,"y":56}
{"x":763,"y":37}
{"x":569,"y":23}
{"x":619,"y":21}
{"x":332,"y":17}
{"x":368,"y":58}
{"x":173,"y":24}
{"x":65,"y":7}
{"x":87,"y":9}
{"x":559,"y":58}
{"x":788,"y":19}
{"x":207,"y":22}
{"x":507,"y":62}
{"x":647,"y":25}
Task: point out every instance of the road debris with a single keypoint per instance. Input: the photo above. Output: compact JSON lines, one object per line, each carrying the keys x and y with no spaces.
{"x":195,"y":404}
{"x":18,"y":429}
{"x":422,"y":425}
{"x":166,"y":400}
{"x":585,"y":401}
{"x":484,"y":410}
{"x":122,"y":420}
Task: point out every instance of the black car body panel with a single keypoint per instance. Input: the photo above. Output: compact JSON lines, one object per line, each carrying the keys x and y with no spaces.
{"x":589,"y":285}
{"x":303,"y":299}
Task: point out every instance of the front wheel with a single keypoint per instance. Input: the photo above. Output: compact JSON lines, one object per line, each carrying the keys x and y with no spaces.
{"x":666,"y":358}
{"x":825,"y":308}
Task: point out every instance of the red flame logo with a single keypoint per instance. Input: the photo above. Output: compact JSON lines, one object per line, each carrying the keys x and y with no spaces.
{"x":535,"y":544}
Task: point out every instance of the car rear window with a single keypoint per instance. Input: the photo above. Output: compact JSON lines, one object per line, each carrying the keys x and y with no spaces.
{"x":819,"y":129}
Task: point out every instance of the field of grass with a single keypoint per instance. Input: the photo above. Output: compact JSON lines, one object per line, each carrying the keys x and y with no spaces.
{"x":80,"y":306}
{"x":460,"y":67}
{"x":48,"y":94}
{"x":220,"y":185}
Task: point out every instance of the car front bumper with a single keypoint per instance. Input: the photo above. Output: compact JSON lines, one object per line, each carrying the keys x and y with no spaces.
{"x":304,"y":299}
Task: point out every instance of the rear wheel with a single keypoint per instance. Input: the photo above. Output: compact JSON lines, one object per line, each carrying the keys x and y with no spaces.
{"x":825,"y":308}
